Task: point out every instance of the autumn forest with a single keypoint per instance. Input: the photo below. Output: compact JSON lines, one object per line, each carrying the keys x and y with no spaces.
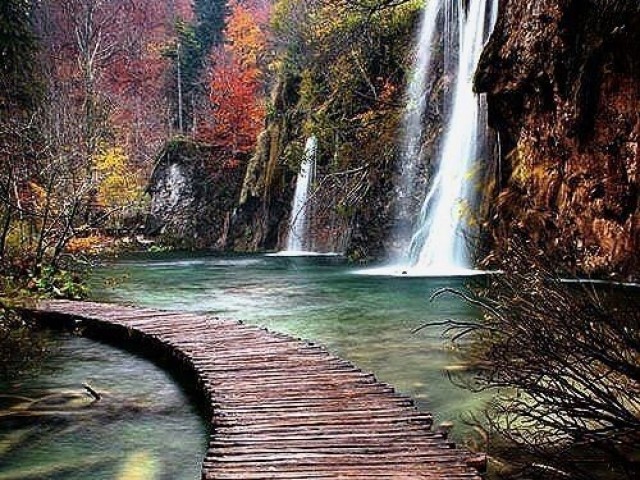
{"x":91,"y":91}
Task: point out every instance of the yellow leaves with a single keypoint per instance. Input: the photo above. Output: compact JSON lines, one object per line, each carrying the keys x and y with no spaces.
{"x":117,"y":185}
{"x":155,"y":49}
{"x":112,"y":158}
{"x":91,"y":244}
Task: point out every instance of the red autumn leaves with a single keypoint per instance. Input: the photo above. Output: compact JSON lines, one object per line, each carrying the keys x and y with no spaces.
{"x":236,"y":91}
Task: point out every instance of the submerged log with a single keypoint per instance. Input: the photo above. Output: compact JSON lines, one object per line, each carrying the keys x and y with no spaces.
{"x":96,"y":396}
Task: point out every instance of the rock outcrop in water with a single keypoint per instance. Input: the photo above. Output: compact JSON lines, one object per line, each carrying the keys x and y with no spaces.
{"x":563,"y":79}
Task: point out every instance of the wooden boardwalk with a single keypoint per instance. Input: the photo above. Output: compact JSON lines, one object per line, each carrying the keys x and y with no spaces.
{"x":282,"y":408}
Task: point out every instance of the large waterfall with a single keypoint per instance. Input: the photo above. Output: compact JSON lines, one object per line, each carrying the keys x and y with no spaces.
{"x":417,"y":95}
{"x":439,"y":245}
{"x":298,"y":239}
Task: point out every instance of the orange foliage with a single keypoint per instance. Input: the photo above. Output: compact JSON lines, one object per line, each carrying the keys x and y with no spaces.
{"x":91,"y":244}
{"x":245,"y":33}
{"x":237,"y":106}
{"x":237,"y":99}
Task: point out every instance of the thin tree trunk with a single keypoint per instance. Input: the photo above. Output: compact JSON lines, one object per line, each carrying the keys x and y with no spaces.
{"x":65,"y":237}
{"x":180,"y":120}
{"x":40,"y":249}
{"x":6,"y":223}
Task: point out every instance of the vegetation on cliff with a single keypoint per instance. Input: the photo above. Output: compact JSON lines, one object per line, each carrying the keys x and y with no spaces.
{"x":340,"y":68}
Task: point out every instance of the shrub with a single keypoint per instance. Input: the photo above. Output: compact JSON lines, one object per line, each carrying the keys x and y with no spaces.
{"x":564,"y":359}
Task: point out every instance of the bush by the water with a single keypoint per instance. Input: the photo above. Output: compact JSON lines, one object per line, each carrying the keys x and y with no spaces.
{"x":564,"y":358}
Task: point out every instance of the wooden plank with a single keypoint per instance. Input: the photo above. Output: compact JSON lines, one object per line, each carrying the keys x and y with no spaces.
{"x":284,"y":408}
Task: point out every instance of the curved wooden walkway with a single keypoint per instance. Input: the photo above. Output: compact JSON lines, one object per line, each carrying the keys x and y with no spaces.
{"x":282,"y":408}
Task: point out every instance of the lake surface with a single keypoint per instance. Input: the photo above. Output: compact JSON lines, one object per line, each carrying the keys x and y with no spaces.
{"x":145,"y":427}
{"x":365,"y":319}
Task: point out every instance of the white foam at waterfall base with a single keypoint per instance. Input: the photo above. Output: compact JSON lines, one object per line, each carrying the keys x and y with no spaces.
{"x":302,"y":253}
{"x":440,"y":242}
{"x":412,"y":272}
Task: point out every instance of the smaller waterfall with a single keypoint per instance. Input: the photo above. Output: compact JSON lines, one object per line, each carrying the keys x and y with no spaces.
{"x":299,"y":239}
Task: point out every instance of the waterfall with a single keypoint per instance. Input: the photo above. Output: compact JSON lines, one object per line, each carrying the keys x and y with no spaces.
{"x":417,"y":96}
{"x":298,"y":238}
{"x":439,"y":243}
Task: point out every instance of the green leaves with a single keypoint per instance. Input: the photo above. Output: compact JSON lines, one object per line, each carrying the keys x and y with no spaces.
{"x":59,"y":284}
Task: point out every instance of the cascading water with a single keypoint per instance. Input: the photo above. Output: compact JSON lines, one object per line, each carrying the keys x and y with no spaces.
{"x":417,"y":95}
{"x":439,"y":242}
{"x":298,"y":237}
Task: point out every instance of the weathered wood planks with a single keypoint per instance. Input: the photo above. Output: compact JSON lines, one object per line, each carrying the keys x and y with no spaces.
{"x":282,"y":408}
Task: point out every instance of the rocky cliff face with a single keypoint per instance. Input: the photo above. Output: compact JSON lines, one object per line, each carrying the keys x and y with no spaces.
{"x":563,"y":85}
{"x":193,"y":193}
{"x":340,"y":220}
{"x":260,"y":221}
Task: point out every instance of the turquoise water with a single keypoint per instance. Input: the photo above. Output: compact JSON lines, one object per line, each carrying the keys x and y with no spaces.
{"x":367,"y":320}
{"x":144,"y":427}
